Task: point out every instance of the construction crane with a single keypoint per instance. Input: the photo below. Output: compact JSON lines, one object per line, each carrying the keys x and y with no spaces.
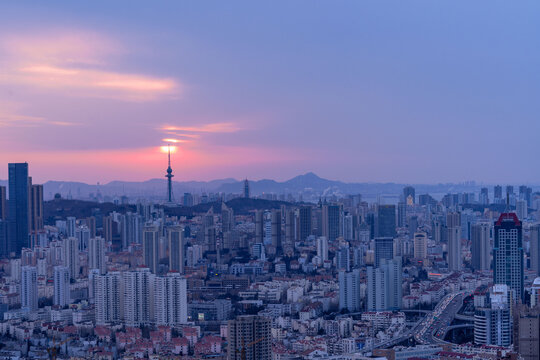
{"x":53,"y":350}
{"x":242,"y":350}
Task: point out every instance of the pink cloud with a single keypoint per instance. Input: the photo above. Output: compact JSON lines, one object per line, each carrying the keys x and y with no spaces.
{"x":222,"y":127}
{"x":78,"y":65}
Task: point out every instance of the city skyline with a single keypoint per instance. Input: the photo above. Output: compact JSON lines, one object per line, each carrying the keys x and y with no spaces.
{"x":413,"y":93}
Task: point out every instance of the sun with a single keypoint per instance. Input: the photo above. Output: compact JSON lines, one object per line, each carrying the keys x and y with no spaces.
{"x":165,"y":149}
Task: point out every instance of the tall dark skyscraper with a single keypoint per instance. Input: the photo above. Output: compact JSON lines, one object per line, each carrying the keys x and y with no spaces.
{"x":3,"y":203}
{"x":330,"y":221}
{"x":18,"y":207}
{"x":409,"y":191}
{"x":508,"y":254}
{"x":305,"y":222}
{"x":497,"y":190}
{"x":384,"y":249}
{"x":246,"y":189}
{"x":386,"y":221}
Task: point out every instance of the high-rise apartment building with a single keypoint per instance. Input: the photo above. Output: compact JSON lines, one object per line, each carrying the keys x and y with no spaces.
{"x":138,"y":297}
{"x":420,"y":245}
{"x":349,"y":290}
{"x":481,"y":247}
{"x":305,"y":223}
{"x":18,"y":207}
{"x":71,"y":256}
{"x":176,"y":248}
{"x":521,"y":209}
{"x":527,"y":333}
{"x":276,"y":229}
{"x":36,"y":208}
{"x":384,"y":286}
{"x":109,"y":298}
{"x":534,"y":239}
{"x":453,"y":236}
{"x":151,"y":248}
{"x":250,"y":338}
{"x":62,"y":292}
{"x":322,"y":248}
{"x":71,"y":224}
{"x":386,"y":221}
{"x":96,"y":254}
{"x":508,"y":254}
{"x":170,"y":300}
{"x":29,"y":288}
{"x":493,"y":324}
{"x":402,"y":214}
{"x":384,"y":249}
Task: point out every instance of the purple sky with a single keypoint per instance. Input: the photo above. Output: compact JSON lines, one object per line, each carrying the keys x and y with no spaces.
{"x":402,"y":91}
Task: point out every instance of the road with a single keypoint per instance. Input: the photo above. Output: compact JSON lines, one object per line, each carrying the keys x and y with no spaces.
{"x":434,"y":327}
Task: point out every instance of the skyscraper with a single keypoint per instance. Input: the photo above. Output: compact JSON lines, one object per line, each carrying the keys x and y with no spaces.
{"x":176,"y":248}
{"x":384,"y":286}
{"x":508,"y":254}
{"x":409,"y":191}
{"x":521,"y":208}
{"x":386,"y":221}
{"x":250,"y":338}
{"x":402,"y":214}
{"x":109,"y":298}
{"x":322,"y":248}
{"x":528,"y":332}
{"x":497,"y":193}
{"x":304,"y":222}
{"x":71,"y":256}
{"x":138,"y":297}
{"x":493,"y":324}
{"x":246,"y":189}
{"x":276,"y":230}
{"x":151,"y":248}
{"x":29,"y":288}
{"x":384,"y":249}
{"x":3,"y":203}
{"x":170,"y":299}
{"x":535,"y":247}
{"x":481,"y":248}
{"x":420,"y":245}
{"x":349,"y":290}
{"x":62,"y":293}
{"x":96,"y":255}
{"x":453,"y":235}
{"x":330,"y":221}
{"x":18,"y":210}
{"x":36,"y":208}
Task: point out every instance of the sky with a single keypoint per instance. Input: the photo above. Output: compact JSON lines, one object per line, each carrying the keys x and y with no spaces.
{"x":364,"y":91}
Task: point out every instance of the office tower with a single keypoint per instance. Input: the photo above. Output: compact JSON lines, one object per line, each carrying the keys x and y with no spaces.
{"x":322,"y":248}
{"x":71,"y":225}
{"x":62,"y":292}
{"x":497,"y":193}
{"x":176,"y":248}
{"x":330,"y":221}
{"x":413,"y":224}
{"x":170,"y":299}
{"x":109,"y":298}
{"x":18,"y":209}
{"x":227,"y":218}
{"x":96,"y":255}
{"x":276,"y":230}
{"x":246,"y":189}
{"x":305,"y":224}
{"x":151,"y":248}
{"x":384,"y":249}
{"x":82,"y":233}
{"x":343,"y":258}
{"x":527,"y":333}
{"x":36,"y":208}
{"x":3,"y":203}
{"x":453,"y":219}
{"x":290,"y":228}
{"x":525,"y":193}
{"x":250,"y":338}
{"x":108,"y":229}
{"x":91,"y":224}
{"x":402,"y":214}
{"x":384,"y":286}
{"x":386,"y":221}
{"x":481,"y":247}
{"x":349,"y":290}
{"x":493,"y":324}
{"x":349,"y":227}
{"x":535,"y":292}
{"x":534,"y":239}
{"x":29,"y":288}
{"x":454,"y":248}
{"x":259,"y":226}
{"x":71,"y":256}
{"x":508,"y":254}
{"x":408,"y":191}
{"x":521,"y":209}
{"x":484,"y":196}
{"x":138,"y":297}
{"x":4,"y":239}
{"x":420,"y":245}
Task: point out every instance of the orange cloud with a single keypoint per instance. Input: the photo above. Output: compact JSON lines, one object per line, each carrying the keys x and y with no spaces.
{"x":223,"y":127}
{"x":77,"y":64}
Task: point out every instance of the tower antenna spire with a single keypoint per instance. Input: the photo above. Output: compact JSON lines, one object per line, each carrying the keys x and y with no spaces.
{"x":169,"y":175}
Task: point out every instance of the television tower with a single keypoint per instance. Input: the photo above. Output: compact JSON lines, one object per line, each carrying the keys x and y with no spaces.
{"x":169,"y":176}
